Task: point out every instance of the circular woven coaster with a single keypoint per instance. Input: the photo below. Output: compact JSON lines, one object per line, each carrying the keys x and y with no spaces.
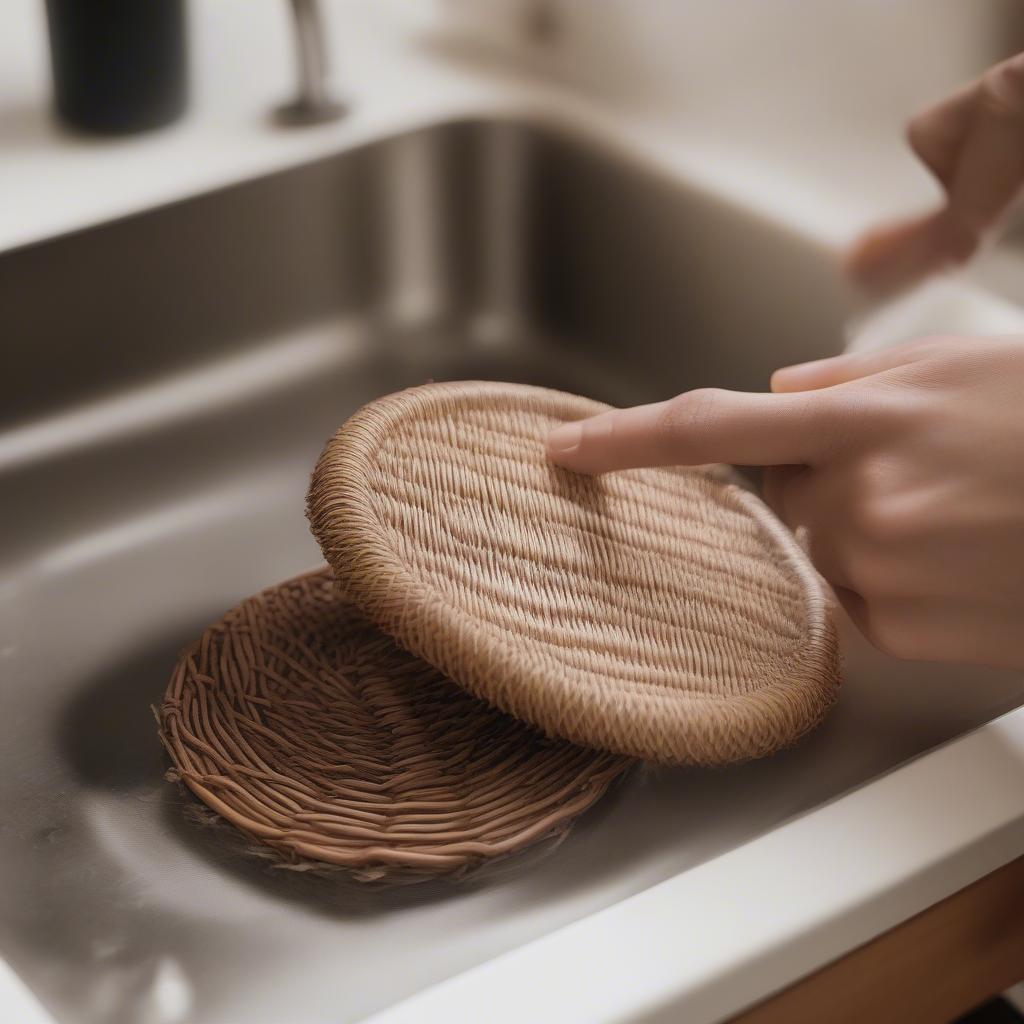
{"x":664,"y":614}
{"x":310,"y":730}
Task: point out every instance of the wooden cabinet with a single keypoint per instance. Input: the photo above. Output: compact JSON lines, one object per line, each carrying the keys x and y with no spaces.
{"x":927,"y":970}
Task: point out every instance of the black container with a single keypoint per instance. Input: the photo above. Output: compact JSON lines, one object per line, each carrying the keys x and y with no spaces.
{"x":118,"y":65}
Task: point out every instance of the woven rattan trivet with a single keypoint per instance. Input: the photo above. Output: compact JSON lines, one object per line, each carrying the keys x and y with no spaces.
{"x":310,"y":730}
{"x":664,"y":614}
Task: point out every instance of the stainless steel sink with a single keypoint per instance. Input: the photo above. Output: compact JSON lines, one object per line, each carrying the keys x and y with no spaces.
{"x":172,"y":378}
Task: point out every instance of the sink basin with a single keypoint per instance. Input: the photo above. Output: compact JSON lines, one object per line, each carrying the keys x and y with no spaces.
{"x":173,"y":377}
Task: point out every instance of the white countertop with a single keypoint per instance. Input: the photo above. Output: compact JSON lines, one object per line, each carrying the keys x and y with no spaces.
{"x":53,"y":181}
{"x":242,"y":66}
{"x":716,"y":938}
{"x":706,"y":944}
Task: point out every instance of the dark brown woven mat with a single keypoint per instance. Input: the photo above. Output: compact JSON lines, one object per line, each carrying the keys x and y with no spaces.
{"x":315,"y":734}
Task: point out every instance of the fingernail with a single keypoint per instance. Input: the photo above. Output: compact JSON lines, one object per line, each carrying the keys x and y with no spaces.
{"x":565,"y":439}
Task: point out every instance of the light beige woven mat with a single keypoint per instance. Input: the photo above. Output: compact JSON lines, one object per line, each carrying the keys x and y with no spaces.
{"x":664,"y":614}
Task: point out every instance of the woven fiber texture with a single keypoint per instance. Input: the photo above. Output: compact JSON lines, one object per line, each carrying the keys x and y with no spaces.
{"x":664,"y":614}
{"x":311,"y":731}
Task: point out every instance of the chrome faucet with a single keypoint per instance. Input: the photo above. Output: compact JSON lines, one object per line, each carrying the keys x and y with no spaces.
{"x":313,"y":103}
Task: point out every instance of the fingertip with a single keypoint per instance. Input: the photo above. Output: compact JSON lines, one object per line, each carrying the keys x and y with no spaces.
{"x":893,"y":257}
{"x":868,"y":261}
{"x":779,"y":383}
{"x":801,"y":376}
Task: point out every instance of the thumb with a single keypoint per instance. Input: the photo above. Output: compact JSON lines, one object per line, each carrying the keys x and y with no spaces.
{"x":697,"y":428}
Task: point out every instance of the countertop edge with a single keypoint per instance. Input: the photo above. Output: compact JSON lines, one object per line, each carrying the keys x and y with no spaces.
{"x":723,"y":936}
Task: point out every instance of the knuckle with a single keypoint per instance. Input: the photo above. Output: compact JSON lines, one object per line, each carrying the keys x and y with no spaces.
{"x":881,"y":523}
{"x":1002,"y":87}
{"x":688,"y":411}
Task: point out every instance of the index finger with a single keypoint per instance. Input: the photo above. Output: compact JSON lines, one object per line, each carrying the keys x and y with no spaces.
{"x":696,"y":428}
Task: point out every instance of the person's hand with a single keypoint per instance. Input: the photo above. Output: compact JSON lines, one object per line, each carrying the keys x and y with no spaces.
{"x":905,"y":467}
{"x":973,"y":143}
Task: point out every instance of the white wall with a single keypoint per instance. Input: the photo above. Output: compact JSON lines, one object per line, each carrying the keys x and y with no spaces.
{"x":664,"y":51}
{"x":825,"y":85}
